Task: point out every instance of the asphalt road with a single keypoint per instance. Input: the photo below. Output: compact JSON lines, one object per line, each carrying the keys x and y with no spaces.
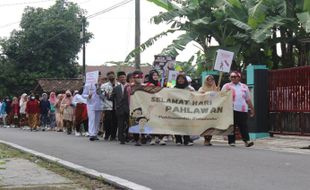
{"x":171,"y":167}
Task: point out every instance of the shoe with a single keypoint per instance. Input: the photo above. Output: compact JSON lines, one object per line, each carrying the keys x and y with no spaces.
{"x":92,"y":138}
{"x":153,"y":142}
{"x":59,"y":130}
{"x":189,"y":144}
{"x":249,"y":144}
{"x":306,"y":147}
{"x":162,"y":142}
{"x":232,"y":144}
{"x":100,"y":133}
{"x":86,"y":134}
{"x":179,"y":144}
{"x":77,"y":134}
{"x":137,"y":144}
{"x":207,"y":143}
{"x":122,"y":143}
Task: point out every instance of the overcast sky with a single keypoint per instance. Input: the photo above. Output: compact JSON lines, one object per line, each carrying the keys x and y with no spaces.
{"x":113,"y":31}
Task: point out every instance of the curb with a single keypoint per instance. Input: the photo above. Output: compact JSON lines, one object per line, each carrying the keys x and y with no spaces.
{"x":109,"y":179}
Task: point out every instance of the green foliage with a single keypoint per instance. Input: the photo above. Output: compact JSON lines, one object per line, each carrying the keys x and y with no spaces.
{"x":46,"y":46}
{"x":249,"y":28}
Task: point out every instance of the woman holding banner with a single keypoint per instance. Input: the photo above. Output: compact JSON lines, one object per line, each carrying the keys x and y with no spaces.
{"x":208,"y":86}
{"x":154,"y":81}
{"x":182,"y":83}
{"x":241,"y":103}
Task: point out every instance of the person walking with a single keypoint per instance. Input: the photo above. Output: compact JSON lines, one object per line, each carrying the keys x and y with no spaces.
{"x":208,"y":85}
{"x":110,"y":121}
{"x":8,"y":109}
{"x":22,"y":110}
{"x":80,"y":117}
{"x":92,"y":94}
{"x":182,"y":83}
{"x":241,"y":102}
{"x":52,"y":99}
{"x":59,"y":113}
{"x":120,"y":99}
{"x":131,"y":88}
{"x":32,"y":109}
{"x":154,"y":81}
{"x":45,"y":108}
{"x":14,"y":114}
{"x":68,"y":112}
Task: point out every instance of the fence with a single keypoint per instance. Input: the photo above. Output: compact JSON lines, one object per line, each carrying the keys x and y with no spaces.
{"x":289,"y":101}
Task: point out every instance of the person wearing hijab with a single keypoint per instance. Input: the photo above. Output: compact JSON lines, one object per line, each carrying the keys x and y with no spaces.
{"x":52,"y":99}
{"x":208,"y":85}
{"x":154,"y":81}
{"x":68,"y":112}
{"x":182,"y":83}
{"x":14,"y":114}
{"x":153,"y":78}
{"x":22,"y":109}
{"x":59,"y":113}
{"x":80,"y":113}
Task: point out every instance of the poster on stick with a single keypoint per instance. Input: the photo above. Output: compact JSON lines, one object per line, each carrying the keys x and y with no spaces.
{"x":223,"y":60}
{"x":92,"y":77}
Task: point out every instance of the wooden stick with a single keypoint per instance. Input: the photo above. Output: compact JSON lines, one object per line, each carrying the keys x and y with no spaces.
{"x":220,"y":79}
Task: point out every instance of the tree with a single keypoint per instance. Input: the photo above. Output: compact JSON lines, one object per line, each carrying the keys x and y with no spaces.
{"x":249,"y":28}
{"x":46,"y":46}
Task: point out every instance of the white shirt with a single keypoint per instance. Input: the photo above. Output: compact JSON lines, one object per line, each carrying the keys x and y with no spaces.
{"x":94,"y":103}
{"x":240,"y":93}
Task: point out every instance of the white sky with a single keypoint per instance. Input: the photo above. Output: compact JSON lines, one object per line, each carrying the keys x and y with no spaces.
{"x":113,"y":31}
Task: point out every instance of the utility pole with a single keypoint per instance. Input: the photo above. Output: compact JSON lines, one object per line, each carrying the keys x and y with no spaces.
{"x":137,"y":33}
{"x":84,"y":46}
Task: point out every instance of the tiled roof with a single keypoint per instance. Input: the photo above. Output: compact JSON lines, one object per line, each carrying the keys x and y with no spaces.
{"x":127,"y":69}
{"x":59,"y":85}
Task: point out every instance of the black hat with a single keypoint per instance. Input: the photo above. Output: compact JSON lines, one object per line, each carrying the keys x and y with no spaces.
{"x":120,"y":73}
{"x":141,"y":117}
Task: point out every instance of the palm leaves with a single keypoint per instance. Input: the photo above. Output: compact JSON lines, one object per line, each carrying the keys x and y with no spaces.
{"x":245,"y":25}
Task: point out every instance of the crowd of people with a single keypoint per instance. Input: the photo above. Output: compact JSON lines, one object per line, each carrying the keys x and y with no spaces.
{"x":102,"y":109}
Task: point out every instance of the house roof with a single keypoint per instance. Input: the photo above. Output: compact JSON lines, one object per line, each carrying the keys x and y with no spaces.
{"x":59,"y":85}
{"x":105,"y":69}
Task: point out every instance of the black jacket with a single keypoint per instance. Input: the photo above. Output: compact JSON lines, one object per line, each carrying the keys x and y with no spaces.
{"x":120,"y":100}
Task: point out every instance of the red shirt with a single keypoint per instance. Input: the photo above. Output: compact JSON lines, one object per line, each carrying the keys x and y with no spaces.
{"x":151,"y":84}
{"x":32,"y":107}
{"x":15,"y":108}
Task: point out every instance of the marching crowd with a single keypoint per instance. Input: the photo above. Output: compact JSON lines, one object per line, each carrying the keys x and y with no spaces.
{"x":102,"y":109}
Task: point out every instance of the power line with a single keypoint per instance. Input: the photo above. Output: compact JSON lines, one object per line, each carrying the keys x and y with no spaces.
{"x":109,"y":9}
{"x":23,"y":3}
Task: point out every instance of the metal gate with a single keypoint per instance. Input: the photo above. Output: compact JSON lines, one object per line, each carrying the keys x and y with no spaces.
{"x":289,"y":101}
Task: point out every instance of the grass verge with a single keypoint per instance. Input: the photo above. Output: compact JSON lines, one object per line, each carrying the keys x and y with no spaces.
{"x":84,"y":181}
